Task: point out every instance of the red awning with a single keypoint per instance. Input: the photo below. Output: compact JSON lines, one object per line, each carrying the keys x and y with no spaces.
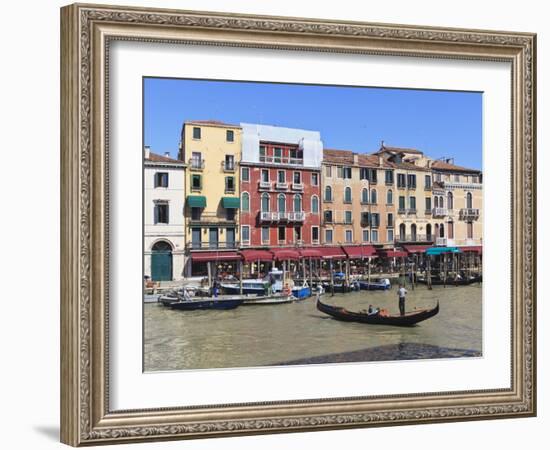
{"x":415,"y":248}
{"x":215,"y":256}
{"x":472,"y":248}
{"x":285,"y":253}
{"x":359,"y":251}
{"x":392,"y":253}
{"x":332,"y":253}
{"x":310,"y":252}
{"x":256,"y":255}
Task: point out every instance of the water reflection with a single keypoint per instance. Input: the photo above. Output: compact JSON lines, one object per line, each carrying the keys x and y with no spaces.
{"x":298,"y":333}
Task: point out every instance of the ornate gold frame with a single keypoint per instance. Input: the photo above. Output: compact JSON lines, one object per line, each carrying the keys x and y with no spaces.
{"x":86,"y":31}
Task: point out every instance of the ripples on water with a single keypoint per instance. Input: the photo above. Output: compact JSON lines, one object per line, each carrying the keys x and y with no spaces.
{"x":297,"y":333}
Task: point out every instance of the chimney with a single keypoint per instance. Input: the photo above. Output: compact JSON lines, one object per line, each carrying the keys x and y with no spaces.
{"x":355,"y":159}
{"x":167,"y":154}
{"x":147,"y":151}
{"x":380,"y":161}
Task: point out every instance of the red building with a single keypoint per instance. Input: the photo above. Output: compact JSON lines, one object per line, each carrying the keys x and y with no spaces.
{"x":280,"y":187}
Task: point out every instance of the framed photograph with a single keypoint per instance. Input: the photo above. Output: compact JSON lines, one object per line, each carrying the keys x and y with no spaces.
{"x":276,"y":224}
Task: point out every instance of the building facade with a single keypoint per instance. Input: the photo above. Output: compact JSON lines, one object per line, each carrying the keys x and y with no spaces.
{"x":280,"y":185}
{"x":211,"y":150}
{"x":358,"y":199}
{"x":164,"y":221}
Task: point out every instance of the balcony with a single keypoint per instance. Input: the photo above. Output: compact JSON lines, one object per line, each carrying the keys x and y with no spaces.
{"x":228,"y":167}
{"x":446,"y":242}
{"x":275,"y":216}
{"x":469,"y":214}
{"x":297,"y":186}
{"x":282,"y":160}
{"x":415,"y":238}
{"x":439,"y":212}
{"x":296,"y":216}
{"x":196,"y":164}
{"x":427,"y":212}
{"x":211,"y":219}
{"x":281,"y":185}
{"x":217,"y":245}
{"x":268,"y":216}
{"x":264,"y":185}
{"x":411,"y":210}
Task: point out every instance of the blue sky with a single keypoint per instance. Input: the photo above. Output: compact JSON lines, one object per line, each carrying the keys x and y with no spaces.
{"x":440,"y":123}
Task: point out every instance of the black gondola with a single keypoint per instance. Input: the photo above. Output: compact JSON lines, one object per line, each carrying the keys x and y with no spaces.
{"x":436,"y":281}
{"x":409,"y":319}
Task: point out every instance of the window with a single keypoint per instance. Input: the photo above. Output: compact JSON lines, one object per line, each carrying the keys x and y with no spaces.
{"x":230,"y":136}
{"x":347,"y":216}
{"x":282,"y":234}
{"x":265,"y":175}
{"x":457,"y":178}
{"x":428,"y":232}
{"x":412,"y":203}
{"x":196,"y":238}
{"x":470,"y":230}
{"x":229,"y":162}
{"x":297,"y":178}
{"x":245,"y":174}
{"x":297,"y":203}
{"x":427,"y":181}
{"x":428,"y":203}
{"x":374,"y":220}
{"x":438,"y":177}
{"x":441,"y":231}
{"x":411,"y":181}
{"x":161,"y":213}
{"x":196,"y":160}
{"x":401,"y":202}
{"x":373,"y":196}
{"x":365,"y":235}
{"x":389,"y":176}
{"x":297,"y":234}
{"x":363,"y":174}
{"x":245,"y":202}
{"x":315,"y":204}
{"x":469,"y":200}
{"x":245,"y":233}
{"x":328,"y":216}
{"x":277,"y":154}
{"x":402,"y":232}
{"x":347,"y":195}
{"x":346,"y":172}
{"x":265,"y":235}
{"x":161,"y":179}
{"x":373,"y":176}
{"x":349,"y":236}
{"x":450,"y":230}
{"x":315,"y":234}
{"x":315,"y":179}
{"x":401,"y":180}
{"x":229,"y":184}
{"x":196,"y":182}
{"x":390,"y":219}
{"x":281,"y":203}
{"x":413,"y":232}
{"x":196,"y":213}
{"x":230,"y":214}
{"x":389,"y":197}
{"x":196,"y":133}
{"x":374,"y":236}
{"x":450,"y":200}
{"x":281,"y":176}
{"x":328,"y":171}
{"x":262,"y":153}
{"x":390,"y":235}
{"x":365,"y":196}
{"x":265,"y":202}
{"x":436,"y":202}
{"x":365,"y":219}
{"x":328,"y":194}
{"x":328,"y":236}
{"x":475,"y":179}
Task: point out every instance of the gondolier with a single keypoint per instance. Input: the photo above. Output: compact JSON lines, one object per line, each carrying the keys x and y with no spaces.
{"x":402,"y":292}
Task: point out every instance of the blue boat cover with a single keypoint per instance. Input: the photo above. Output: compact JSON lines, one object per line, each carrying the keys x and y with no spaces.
{"x":434,"y":251}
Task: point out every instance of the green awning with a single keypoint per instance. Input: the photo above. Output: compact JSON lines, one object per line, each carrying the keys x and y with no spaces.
{"x":231,"y":202}
{"x":196,"y":201}
{"x":434,"y":251}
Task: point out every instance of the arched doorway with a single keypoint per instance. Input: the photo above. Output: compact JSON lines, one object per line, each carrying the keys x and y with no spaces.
{"x":402,"y":232}
{"x":161,"y":261}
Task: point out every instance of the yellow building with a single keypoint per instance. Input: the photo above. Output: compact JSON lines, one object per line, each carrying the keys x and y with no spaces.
{"x":212,"y":151}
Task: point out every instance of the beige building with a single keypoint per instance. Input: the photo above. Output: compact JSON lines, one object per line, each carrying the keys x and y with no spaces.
{"x":358,"y":198}
{"x":211,"y":150}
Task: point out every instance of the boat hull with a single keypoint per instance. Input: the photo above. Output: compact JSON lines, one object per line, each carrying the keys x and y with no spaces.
{"x":191,"y":305}
{"x":236,"y":290}
{"x":440,"y":282}
{"x":269,"y":300}
{"x":301,"y":292}
{"x":366,"y":286}
{"x":407,"y":320}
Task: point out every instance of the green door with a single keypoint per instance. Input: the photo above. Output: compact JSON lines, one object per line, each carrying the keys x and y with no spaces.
{"x":161,"y":262}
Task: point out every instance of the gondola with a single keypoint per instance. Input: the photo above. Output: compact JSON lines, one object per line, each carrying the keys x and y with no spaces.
{"x":436,"y":281}
{"x":207,"y":303}
{"x":409,"y":319}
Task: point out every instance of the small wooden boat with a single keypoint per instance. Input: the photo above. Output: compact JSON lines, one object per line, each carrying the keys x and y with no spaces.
{"x":409,"y":319}
{"x":207,"y":303}
{"x":340,"y":286}
{"x":375,"y":285}
{"x":274,"y":299}
{"x":437,"y":281}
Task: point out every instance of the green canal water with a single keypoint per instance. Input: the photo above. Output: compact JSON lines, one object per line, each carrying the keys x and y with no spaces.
{"x":297,"y":333}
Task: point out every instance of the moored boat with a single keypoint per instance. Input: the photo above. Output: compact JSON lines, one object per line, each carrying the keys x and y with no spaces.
{"x":301,"y":291}
{"x":409,"y":319}
{"x":375,"y":285}
{"x":437,"y":281}
{"x":274,"y":299}
{"x":207,"y":303}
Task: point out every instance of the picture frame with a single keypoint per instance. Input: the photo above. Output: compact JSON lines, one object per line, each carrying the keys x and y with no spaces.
{"x":87,"y":31}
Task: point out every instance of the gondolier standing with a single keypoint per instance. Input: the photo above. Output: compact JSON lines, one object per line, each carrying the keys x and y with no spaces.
{"x":401,"y":292}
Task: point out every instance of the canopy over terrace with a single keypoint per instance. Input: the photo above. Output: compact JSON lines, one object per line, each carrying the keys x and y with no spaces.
{"x":391,"y":253}
{"x":281,"y":254}
{"x":359,"y":251}
{"x":416,"y":248}
{"x":434,"y":251}
{"x":332,"y":253}
{"x":256,"y":255}
{"x":215,"y":256}
{"x":472,"y":248}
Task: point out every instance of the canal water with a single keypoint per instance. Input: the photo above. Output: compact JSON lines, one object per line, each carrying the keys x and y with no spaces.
{"x":297,"y":333}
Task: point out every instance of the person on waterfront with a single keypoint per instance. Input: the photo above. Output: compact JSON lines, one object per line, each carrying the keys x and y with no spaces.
{"x":401,"y":292}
